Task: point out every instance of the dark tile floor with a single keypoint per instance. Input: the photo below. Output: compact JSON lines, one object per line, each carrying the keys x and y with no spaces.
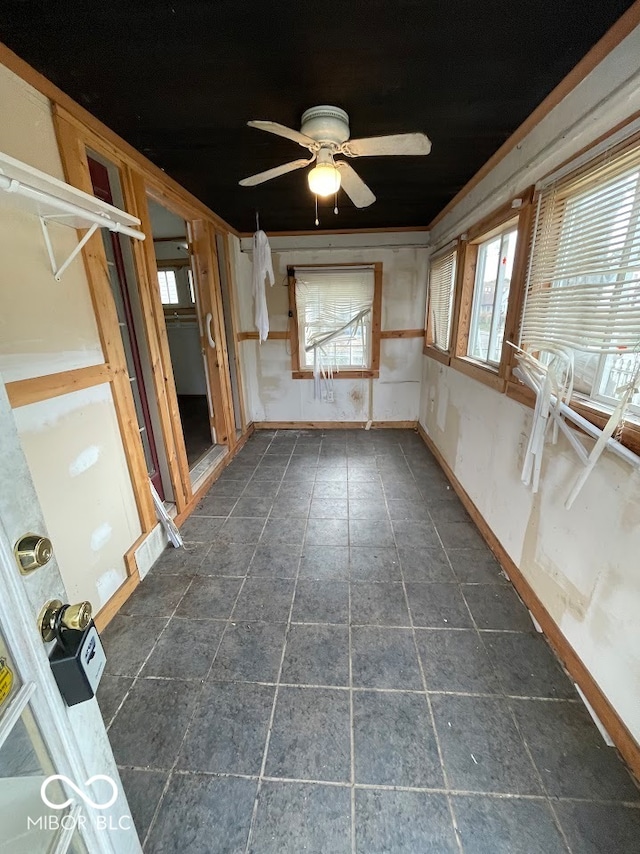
{"x":336,"y":664}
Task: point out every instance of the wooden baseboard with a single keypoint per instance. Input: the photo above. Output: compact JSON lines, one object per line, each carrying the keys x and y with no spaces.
{"x":333,"y":425}
{"x":624,"y":741}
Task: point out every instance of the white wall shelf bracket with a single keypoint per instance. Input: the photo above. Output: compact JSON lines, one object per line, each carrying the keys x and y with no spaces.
{"x":58,"y":271}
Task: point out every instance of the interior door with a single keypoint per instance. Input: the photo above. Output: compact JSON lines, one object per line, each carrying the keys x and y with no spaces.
{"x":49,"y":752}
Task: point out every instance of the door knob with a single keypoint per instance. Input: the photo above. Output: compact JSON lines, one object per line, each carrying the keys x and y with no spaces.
{"x":32,"y":551}
{"x":55,"y":616}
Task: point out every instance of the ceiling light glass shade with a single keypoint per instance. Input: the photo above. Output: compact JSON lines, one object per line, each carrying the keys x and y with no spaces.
{"x":324,"y":180}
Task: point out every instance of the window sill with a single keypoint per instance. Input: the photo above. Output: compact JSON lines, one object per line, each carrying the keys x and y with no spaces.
{"x":338,"y":375}
{"x":439,"y":355}
{"x":482,"y":373}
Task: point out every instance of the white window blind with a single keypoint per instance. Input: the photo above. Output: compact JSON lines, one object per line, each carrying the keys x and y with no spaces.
{"x":583,"y":289}
{"x":334,"y":307}
{"x":442,"y":274}
{"x":168,"y":285}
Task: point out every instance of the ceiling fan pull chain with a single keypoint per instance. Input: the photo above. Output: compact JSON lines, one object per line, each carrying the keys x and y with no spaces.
{"x":317,"y":220}
{"x":335,"y":209}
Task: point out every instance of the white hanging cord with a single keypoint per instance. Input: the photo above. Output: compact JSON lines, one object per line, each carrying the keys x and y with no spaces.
{"x":335,"y":208}
{"x":317,"y":220}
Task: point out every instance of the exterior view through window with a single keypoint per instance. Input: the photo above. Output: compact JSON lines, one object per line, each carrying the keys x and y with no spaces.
{"x":491,"y":296}
{"x":168,"y":287}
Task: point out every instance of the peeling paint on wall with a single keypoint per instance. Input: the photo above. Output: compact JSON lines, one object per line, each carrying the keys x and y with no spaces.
{"x":84,"y":460}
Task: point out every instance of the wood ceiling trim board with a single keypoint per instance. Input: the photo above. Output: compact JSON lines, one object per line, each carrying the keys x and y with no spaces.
{"x":611,"y":39}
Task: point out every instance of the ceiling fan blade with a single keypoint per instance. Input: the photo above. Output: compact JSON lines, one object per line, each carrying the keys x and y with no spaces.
{"x":261,"y":177}
{"x":399,"y":143}
{"x":282,"y":130}
{"x":354,"y":186}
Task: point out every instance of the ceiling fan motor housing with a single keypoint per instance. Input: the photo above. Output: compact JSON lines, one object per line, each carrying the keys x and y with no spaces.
{"x":326,"y":124}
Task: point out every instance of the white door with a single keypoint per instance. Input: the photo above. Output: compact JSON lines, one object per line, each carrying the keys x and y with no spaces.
{"x":49,"y":752}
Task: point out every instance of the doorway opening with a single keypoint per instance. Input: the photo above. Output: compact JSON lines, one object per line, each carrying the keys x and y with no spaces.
{"x":185,"y":328}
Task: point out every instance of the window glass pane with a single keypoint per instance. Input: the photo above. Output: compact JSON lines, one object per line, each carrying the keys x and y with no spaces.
{"x":494,"y":269}
{"x":192,"y":294}
{"x":168,"y":287}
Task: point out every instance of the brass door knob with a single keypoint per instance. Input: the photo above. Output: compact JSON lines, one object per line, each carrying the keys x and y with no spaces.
{"x":32,"y":551}
{"x":76,"y":617}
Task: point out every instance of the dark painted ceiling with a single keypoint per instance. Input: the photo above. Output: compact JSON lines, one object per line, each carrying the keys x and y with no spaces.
{"x":179,"y":80}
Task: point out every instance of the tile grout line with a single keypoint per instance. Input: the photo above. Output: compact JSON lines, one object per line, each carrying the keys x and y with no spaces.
{"x":352,"y":737}
{"x":195,"y":702}
{"x":265,"y":753}
{"x":452,"y":815}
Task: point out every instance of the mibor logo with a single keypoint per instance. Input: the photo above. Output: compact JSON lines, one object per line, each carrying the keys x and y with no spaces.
{"x":85,"y":797}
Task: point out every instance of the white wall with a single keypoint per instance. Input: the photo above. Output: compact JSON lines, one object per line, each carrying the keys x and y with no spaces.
{"x":583,"y":563}
{"x":72,"y":443}
{"x":272,"y":395}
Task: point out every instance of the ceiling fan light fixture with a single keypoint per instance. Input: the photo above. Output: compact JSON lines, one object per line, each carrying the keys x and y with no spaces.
{"x":324,"y":179}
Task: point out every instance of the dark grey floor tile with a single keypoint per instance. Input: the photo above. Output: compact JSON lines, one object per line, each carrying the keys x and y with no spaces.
{"x":329,"y":508}
{"x":212,"y":598}
{"x":261,"y":489}
{"x":299,"y":817}
{"x":496,"y":606}
{"x":456,"y":661}
{"x":216,"y":505}
{"x":379,"y":604}
{"x":364,"y":474}
{"x":322,"y":562}
{"x":290,"y":507}
{"x":143,"y":790}
{"x":507,"y":826}
{"x":407,"y":509}
{"x":253,"y":507}
{"x":570,"y":753}
{"x":317,"y":655}
{"x":110,"y":694}
{"x":284,"y":531}
{"x":275,"y":561}
{"x":128,"y":641}
{"x":229,"y":729}
{"x":156,"y":596}
{"x":459,"y":535}
{"x":321,"y":601}
{"x":435,"y":491}
{"x":394,"y":740}
{"x":327,"y":532}
{"x":203,"y":815}
{"x":366,"y":490}
{"x":438,"y":606}
{"x":201,"y":529}
{"x":332,"y":472}
{"x":375,"y":532}
{"x":367,"y":508}
{"x":405,"y":490}
{"x":228,"y":559}
{"x":310,"y":735}
{"x":185,"y":649}
{"x":296,"y":490}
{"x":374,"y":563}
{"x":526,"y":666}
{"x":391,"y":822}
{"x":329,"y":489}
{"x":425,"y":564}
{"x":267,"y":599}
{"x":240,"y":530}
{"x":415,"y":535}
{"x":227,"y":486}
{"x":481,"y":747}
{"x":182,"y":561}
{"x":448,"y":511}
{"x":476,"y":566}
{"x":599,"y":829}
{"x":384,"y":658}
{"x":250,"y":652}
{"x":148,"y":730}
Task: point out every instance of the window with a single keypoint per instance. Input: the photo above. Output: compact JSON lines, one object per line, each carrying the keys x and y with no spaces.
{"x":168,"y":287}
{"x":583,"y":290}
{"x":442,"y":276}
{"x":337,"y":314}
{"x":494,"y":270}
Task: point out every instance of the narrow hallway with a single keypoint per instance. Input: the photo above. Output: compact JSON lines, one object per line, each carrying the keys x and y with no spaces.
{"x":336,"y":663}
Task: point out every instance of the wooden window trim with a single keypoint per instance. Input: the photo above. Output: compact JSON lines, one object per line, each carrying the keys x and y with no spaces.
{"x":429,"y":349}
{"x":494,"y":377}
{"x":374,"y":372}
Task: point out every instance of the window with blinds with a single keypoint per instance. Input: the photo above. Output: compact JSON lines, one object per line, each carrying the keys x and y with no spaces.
{"x":168,"y":285}
{"x":583,"y":288}
{"x":334,"y":312}
{"x":442,"y":276}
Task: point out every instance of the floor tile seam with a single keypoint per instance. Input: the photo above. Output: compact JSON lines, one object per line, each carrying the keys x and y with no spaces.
{"x":436,"y":736}
{"x":265,"y":751}
{"x":196,"y":701}
{"x":352,"y":756}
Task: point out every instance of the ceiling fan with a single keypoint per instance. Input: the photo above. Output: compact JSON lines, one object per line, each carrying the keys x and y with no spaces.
{"x":325,"y":132}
